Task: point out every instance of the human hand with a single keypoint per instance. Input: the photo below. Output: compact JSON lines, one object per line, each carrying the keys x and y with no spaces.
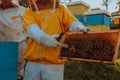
{"x":51,"y":41}
{"x":77,"y":27}
{"x":85,"y":31}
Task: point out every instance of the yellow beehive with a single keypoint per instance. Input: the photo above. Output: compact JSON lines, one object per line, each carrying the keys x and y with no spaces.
{"x":98,"y":27}
{"x":78,"y":8}
{"x":116,"y":20}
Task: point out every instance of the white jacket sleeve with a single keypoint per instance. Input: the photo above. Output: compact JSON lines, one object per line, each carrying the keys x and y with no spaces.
{"x":40,"y":36}
{"x":34,"y":32}
{"x":77,"y":26}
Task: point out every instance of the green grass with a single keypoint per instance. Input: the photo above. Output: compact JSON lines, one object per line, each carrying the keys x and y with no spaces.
{"x":78,"y":70}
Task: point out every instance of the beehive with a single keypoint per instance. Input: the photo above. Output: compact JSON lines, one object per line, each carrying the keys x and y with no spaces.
{"x":98,"y":20}
{"x":8,"y":60}
{"x":93,"y":47}
{"x":78,"y":8}
{"x":116,"y":20}
{"x":98,"y":27}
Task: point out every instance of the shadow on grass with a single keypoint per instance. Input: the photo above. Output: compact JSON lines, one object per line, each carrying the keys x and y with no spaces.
{"x":77,"y":70}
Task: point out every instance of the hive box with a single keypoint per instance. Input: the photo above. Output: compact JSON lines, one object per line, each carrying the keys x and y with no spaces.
{"x":95,"y":19}
{"x":93,"y":47}
{"x":98,"y":27}
{"x":78,"y":8}
{"x":8,"y":60}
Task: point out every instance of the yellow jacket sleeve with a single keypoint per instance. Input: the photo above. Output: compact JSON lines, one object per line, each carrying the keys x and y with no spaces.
{"x":29,"y":18}
{"x":66,"y":17}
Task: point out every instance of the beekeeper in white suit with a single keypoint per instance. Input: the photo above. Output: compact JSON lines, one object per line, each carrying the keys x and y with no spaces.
{"x":11,"y":28}
{"x":44,"y":21}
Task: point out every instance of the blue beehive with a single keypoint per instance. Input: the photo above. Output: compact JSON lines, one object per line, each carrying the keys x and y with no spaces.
{"x":98,"y":19}
{"x":8,"y":60}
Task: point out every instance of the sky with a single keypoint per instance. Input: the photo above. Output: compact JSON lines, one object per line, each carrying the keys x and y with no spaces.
{"x":98,"y":4}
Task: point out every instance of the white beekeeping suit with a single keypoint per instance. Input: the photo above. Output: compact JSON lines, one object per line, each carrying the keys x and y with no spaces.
{"x":11,"y":29}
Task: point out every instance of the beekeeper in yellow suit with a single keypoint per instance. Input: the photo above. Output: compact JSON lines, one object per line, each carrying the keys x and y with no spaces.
{"x":44,"y":21}
{"x":11,"y":28}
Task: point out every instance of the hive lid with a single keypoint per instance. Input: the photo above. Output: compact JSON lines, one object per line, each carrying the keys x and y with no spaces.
{"x":97,"y":12}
